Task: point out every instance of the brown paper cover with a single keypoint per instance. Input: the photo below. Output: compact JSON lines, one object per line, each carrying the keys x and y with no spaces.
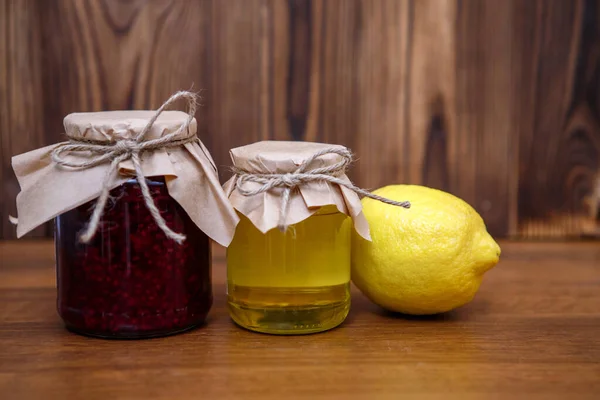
{"x":263,"y":209}
{"x":48,"y":190}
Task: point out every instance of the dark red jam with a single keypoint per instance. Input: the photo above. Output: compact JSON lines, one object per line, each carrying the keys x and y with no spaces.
{"x":130,"y":280}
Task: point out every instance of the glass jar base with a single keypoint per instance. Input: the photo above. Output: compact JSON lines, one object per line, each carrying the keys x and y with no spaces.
{"x":306,"y":320}
{"x":131,"y":335}
{"x":289,"y":311}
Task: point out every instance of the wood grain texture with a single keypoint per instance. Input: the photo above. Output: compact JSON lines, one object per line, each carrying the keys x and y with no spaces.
{"x":377,"y":101}
{"x":530,"y":333}
{"x":494,"y":101}
{"x":559,"y":137}
{"x":21,"y":122}
{"x":483,"y":156}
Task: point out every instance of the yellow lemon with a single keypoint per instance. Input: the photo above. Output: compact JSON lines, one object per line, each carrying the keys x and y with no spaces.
{"x":424,"y":260}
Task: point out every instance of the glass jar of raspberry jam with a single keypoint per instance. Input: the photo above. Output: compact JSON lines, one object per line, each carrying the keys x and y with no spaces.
{"x":136,"y":199}
{"x":130,"y":280}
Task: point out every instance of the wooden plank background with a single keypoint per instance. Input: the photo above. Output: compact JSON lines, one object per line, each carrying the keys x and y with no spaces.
{"x":494,"y":101}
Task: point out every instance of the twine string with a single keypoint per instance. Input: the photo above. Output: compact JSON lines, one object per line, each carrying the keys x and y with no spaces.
{"x":97,"y":153}
{"x":302,"y":175}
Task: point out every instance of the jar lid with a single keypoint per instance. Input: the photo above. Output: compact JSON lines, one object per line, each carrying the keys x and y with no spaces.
{"x":119,"y":125}
{"x":264,"y":207}
{"x":51,"y":187}
{"x":282,"y":156}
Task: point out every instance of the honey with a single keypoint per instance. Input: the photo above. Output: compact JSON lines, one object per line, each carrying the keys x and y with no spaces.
{"x":294,"y":282}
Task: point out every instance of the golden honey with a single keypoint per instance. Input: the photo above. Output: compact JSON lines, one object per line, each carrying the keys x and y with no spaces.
{"x":294,"y":282}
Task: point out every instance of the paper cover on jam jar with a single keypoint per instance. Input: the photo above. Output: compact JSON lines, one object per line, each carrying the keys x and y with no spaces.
{"x":48,"y":190}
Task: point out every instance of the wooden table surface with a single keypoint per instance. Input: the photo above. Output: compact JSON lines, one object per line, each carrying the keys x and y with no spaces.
{"x":533,"y":331}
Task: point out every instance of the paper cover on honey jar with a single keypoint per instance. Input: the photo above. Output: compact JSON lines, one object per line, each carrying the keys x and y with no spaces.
{"x":282,"y":157}
{"x":48,"y":190}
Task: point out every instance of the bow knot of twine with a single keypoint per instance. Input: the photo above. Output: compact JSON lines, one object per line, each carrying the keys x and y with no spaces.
{"x":99,"y":152}
{"x":125,"y":146}
{"x":302,"y":175}
{"x":288,"y":180}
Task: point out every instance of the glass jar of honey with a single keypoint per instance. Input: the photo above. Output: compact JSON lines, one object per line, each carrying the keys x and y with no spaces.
{"x":288,"y":266}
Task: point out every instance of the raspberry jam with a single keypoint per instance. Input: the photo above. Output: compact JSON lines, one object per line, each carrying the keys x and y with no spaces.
{"x":130,"y":280}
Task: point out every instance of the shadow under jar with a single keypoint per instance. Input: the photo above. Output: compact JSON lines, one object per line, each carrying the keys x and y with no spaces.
{"x":130,"y":280}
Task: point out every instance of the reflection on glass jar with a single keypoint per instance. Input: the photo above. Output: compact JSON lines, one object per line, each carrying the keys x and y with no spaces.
{"x":294,"y":282}
{"x":130,"y":280}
